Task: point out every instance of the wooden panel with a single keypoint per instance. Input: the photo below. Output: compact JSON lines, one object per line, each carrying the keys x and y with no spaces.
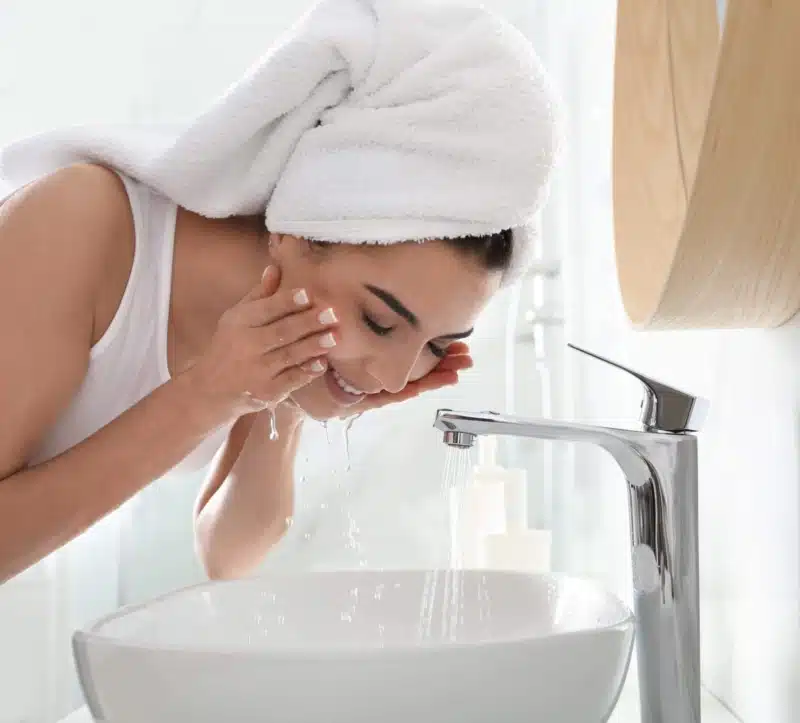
{"x":707,"y":163}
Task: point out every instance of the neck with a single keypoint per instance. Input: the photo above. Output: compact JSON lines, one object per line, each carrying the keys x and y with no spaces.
{"x":217,"y":261}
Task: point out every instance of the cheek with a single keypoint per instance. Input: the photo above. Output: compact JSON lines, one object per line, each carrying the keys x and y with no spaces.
{"x":353,"y":339}
{"x":423,"y":366}
{"x":351,"y":334}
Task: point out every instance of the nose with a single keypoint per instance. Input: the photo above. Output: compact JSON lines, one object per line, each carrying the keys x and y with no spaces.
{"x":392,"y":371}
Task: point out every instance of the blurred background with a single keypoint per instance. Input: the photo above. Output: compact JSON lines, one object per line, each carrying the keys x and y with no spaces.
{"x":88,"y":61}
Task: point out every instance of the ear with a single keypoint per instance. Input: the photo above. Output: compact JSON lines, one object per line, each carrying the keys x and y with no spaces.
{"x":282,"y":246}
{"x":288,"y":250}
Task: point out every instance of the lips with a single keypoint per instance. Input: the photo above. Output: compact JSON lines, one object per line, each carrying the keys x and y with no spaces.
{"x":345,"y":385}
{"x":344,"y":393}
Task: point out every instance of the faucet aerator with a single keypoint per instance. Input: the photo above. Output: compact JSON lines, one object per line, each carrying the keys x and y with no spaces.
{"x":460,"y":440}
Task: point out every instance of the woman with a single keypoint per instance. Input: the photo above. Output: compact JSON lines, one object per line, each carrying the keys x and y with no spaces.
{"x":141,"y":335}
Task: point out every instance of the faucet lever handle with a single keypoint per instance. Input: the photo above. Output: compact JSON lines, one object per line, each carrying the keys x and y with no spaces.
{"x":664,"y":408}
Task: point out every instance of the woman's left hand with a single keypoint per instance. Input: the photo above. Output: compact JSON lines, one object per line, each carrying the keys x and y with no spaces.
{"x":444,"y":374}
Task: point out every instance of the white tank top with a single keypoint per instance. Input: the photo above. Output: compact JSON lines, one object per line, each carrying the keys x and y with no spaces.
{"x":130,"y":360}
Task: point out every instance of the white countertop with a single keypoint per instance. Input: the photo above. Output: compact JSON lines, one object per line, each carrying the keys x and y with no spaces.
{"x":627,"y":710}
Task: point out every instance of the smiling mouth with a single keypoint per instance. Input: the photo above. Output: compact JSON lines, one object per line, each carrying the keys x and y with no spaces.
{"x":345,"y":386}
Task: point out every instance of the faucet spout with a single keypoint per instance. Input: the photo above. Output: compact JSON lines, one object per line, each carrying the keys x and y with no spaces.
{"x":661,"y":472}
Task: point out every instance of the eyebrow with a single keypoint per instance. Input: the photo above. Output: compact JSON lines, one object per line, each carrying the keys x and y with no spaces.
{"x":402,"y":310}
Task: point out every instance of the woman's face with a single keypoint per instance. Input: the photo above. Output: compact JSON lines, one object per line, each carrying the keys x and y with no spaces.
{"x":399,"y":307}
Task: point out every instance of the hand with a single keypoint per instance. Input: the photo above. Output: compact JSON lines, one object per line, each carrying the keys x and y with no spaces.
{"x":444,"y":374}
{"x":265,"y":347}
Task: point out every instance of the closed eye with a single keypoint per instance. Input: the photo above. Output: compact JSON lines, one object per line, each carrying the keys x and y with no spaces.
{"x":376,"y":328}
{"x":437,"y":350}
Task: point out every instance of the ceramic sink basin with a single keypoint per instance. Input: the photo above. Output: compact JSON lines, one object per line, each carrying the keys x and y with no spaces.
{"x":360,"y":647}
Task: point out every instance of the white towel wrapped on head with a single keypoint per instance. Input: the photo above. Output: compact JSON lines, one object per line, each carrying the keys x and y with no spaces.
{"x":373,"y":121}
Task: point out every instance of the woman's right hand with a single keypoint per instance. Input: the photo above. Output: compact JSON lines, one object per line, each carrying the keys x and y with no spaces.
{"x":271,"y":343}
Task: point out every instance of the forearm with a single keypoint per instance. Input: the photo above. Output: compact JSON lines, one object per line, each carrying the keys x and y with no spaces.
{"x":45,"y":506}
{"x":249,"y":496}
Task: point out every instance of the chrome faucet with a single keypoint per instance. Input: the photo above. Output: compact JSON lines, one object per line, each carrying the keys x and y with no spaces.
{"x":659,"y":461}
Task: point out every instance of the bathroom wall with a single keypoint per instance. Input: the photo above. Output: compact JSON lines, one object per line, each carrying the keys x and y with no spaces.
{"x":749,"y":498}
{"x":749,"y":449}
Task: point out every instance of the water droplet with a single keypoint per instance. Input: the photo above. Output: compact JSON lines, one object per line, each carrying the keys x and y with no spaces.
{"x":348,"y":425}
{"x":273,"y":425}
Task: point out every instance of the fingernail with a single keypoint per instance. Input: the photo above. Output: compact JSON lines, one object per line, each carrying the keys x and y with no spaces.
{"x":327,"y":317}
{"x":316,"y":366}
{"x":300,"y":297}
{"x":267,"y":271}
{"x":327,"y":341}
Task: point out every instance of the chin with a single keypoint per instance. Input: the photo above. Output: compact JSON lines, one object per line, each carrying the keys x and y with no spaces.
{"x":326,"y":398}
{"x":315,"y":401}
{"x":318,"y":412}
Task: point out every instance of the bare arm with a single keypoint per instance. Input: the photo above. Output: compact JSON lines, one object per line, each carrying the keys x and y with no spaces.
{"x":60,"y":239}
{"x":242,"y":510}
{"x":55,"y":241}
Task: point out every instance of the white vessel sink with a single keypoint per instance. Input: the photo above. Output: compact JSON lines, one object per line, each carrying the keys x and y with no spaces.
{"x":361,"y":647}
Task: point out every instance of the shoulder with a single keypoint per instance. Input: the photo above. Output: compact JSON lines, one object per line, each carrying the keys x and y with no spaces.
{"x":71,"y":191}
{"x":84,"y":203}
{"x":86,"y":196}
{"x":68,"y":230}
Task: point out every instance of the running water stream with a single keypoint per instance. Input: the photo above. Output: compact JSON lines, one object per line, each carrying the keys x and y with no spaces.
{"x":444,"y":589}
{"x":442,"y":597}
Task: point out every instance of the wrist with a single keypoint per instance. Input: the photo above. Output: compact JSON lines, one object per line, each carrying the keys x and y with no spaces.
{"x":195,"y":400}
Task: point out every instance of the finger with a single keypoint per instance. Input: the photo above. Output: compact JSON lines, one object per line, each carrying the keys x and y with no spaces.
{"x":436,"y":380}
{"x":455,"y":363}
{"x":265,"y":310}
{"x":375,"y":401}
{"x":295,"y":378}
{"x":413,"y":389}
{"x":458,"y":347}
{"x":300,"y":352}
{"x":293,"y":328}
{"x":267,"y":285}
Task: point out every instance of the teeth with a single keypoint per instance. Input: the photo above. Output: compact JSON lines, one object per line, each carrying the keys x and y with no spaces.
{"x":344,"y":385}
